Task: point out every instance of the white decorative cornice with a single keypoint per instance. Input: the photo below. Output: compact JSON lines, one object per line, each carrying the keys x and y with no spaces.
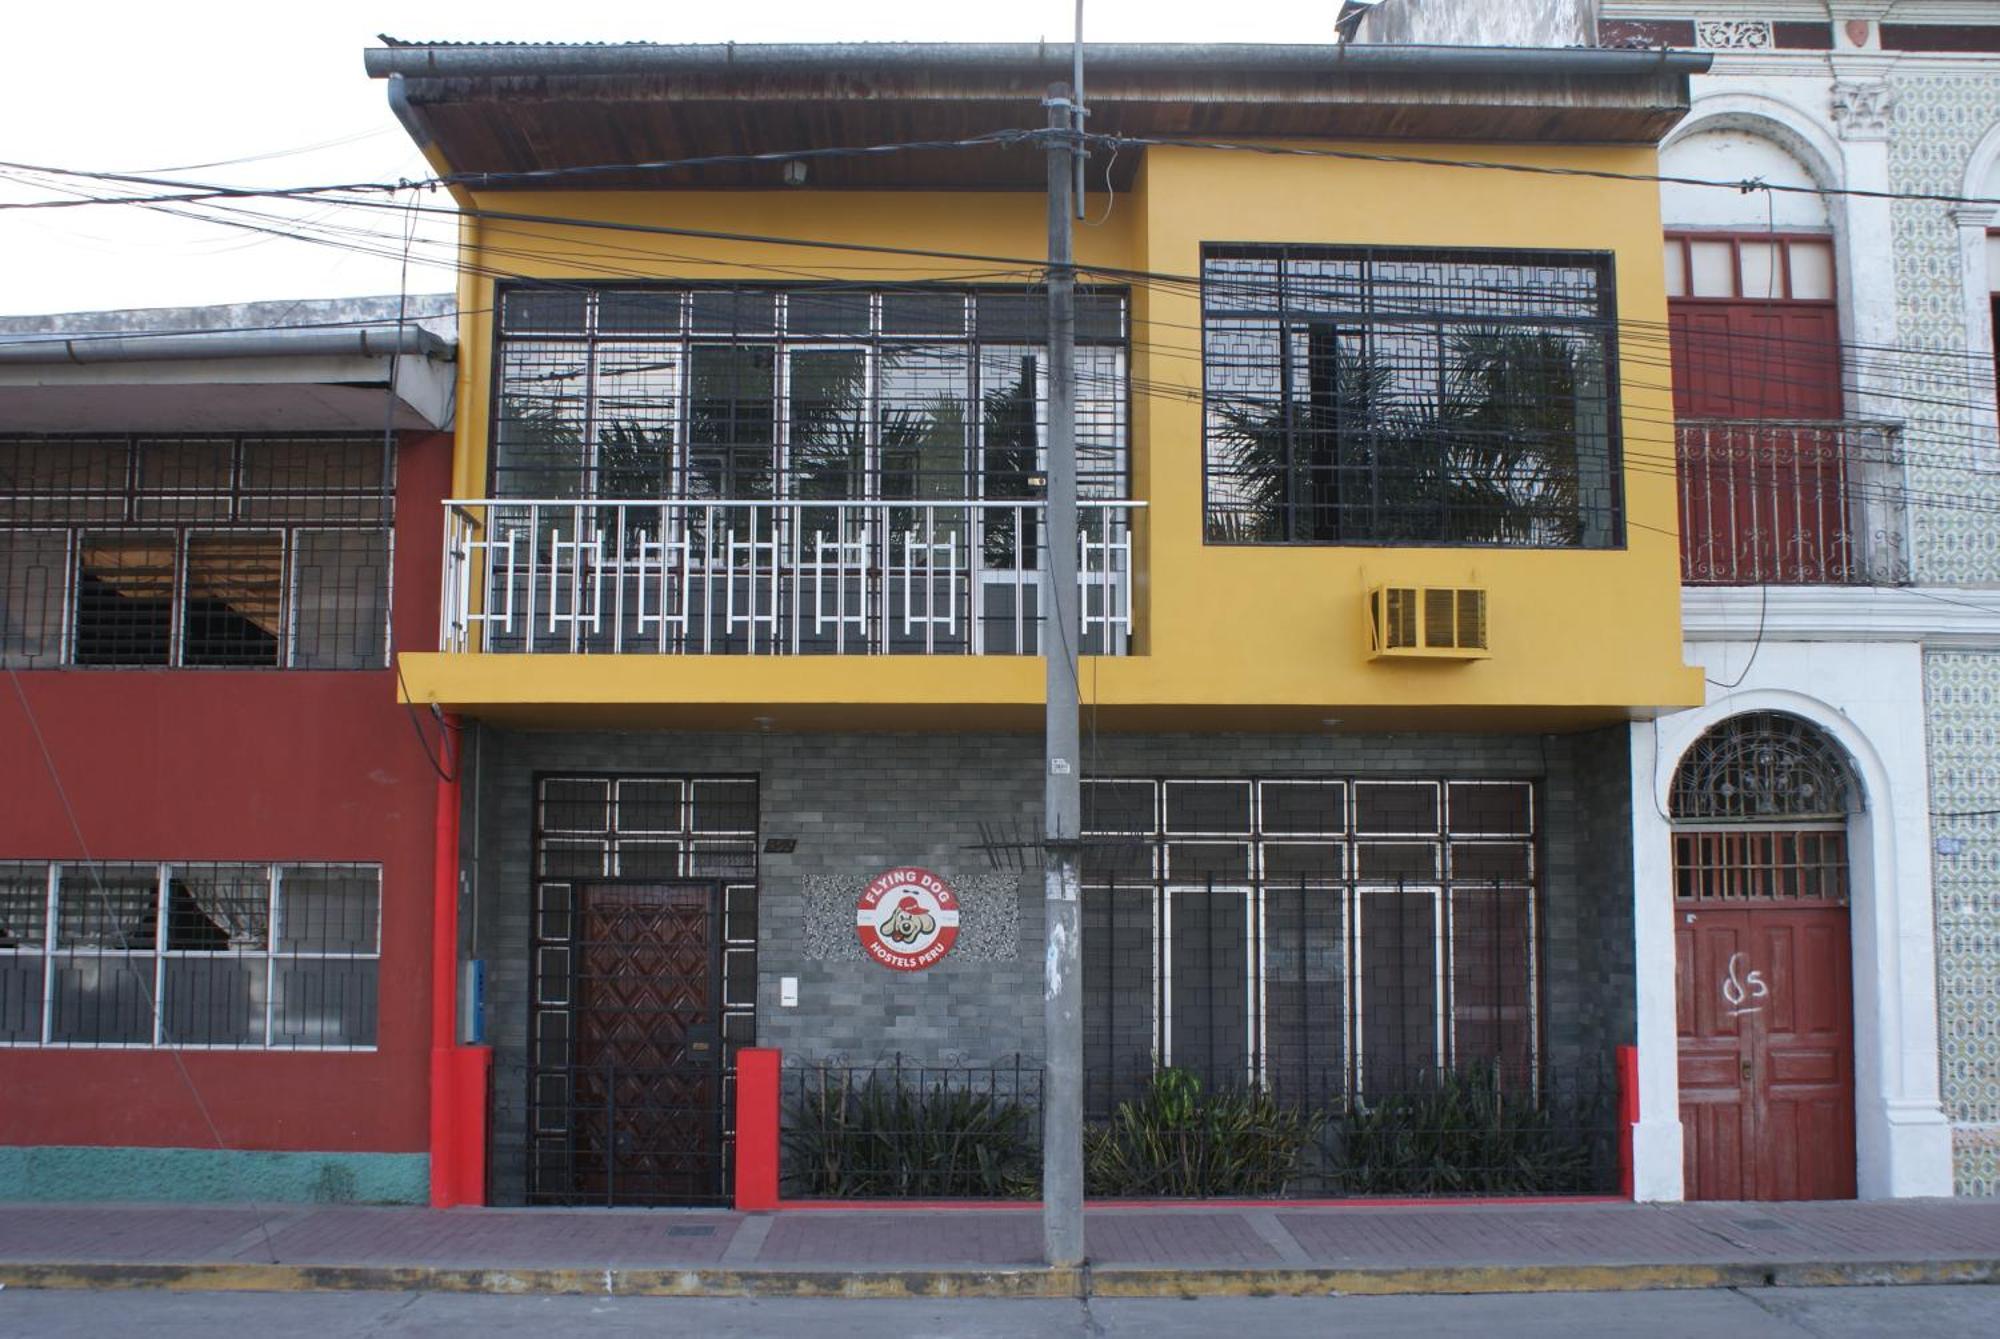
{"x":1947,"y":618}
{"x":1862,"y":109}
{"x":1733,"y":34}
{"x":1972,"y":216}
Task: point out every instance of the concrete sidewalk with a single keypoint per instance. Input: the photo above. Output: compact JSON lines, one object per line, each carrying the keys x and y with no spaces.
{"x":1144,"y":1250}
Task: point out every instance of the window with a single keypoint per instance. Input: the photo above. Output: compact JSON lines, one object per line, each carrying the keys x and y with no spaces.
{"x":283,"y":957}
{"x":1358,"y":395}
{"x":1755,"y":329}
{"x":819,"y":393}
{"x":1314,"y":935}
{"x":232,"y":552}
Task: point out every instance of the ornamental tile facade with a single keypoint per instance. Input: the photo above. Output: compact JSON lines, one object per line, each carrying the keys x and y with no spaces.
{"x":1963,"y":704}
{"x":1939,"y":121}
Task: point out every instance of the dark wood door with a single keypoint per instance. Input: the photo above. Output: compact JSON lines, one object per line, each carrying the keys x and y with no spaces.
{"x":646,"y":1100}
{"x":1766,"y":1019}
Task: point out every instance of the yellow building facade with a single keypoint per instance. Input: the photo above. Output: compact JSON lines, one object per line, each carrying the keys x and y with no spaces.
{"x":1577,"y":637}
{"x":742,"y":584}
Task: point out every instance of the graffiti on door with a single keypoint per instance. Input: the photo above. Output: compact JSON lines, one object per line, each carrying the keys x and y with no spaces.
{"x":1740,"y":987}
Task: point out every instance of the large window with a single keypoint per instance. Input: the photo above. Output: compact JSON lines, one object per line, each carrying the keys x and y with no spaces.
{"x":1313,"y":935}
{"x":219,"y":552}
{"x":1361,"y":395}
{"x":201,"y":955}
{"x":1755,"y":327}
{"x":813,"y":393}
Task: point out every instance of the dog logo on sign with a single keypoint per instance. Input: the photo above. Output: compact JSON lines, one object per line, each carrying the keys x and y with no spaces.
{"x":907,"y":919}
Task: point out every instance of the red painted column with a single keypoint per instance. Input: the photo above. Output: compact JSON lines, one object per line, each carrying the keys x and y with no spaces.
{"x":458,"y":1073}
{"x":757,"y":1129}
{"x":1628,"y":1114}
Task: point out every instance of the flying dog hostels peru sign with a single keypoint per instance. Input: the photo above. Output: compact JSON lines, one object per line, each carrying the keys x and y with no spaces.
{"x":907,"y":919}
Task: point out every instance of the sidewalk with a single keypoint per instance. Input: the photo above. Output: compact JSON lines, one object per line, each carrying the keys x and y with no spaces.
{"x":1197,"y":1249}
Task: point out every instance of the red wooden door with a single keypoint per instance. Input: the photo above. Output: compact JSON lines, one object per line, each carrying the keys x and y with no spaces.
{"x":1766,"y":1020}
{"x":647,"y":1092}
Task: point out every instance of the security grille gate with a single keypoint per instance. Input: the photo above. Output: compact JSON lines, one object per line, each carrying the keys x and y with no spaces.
{"x":644,"y":980}
{"x":1311,"y":937}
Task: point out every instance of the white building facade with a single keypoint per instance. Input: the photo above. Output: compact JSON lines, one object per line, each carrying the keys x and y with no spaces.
{"x":1833,"y":360}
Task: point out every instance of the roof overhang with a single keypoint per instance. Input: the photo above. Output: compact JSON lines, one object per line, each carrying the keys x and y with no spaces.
{"x":492,"y":111}
{"x":271,"y":381}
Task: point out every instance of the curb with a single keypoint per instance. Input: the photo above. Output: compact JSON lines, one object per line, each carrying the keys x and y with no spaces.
{"x":1117,"y":1281}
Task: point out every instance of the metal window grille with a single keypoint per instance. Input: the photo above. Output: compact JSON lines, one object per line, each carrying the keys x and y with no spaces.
{"x":1764,"y":766}
{"x":1739,"y":865}
{"x":1364,"y":395}
{"x":830,"y":394}
{"x":190,"y":955}
{"x":620,"y":1107}
{"x":224,"y":552}
{"x":1309,"y":935}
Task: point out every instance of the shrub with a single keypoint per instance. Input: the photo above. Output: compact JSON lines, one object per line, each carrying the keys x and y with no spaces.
{"x":887,"y":1137}
{"x":1463,"y":1133}
{"x":1179,"y":1140}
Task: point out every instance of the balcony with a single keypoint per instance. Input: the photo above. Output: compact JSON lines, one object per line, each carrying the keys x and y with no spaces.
{"x":858,"y":578}
{"x":1791,"y":503}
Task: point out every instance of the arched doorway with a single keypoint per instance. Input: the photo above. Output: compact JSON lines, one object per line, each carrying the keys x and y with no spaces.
{"x":1760,"y":808}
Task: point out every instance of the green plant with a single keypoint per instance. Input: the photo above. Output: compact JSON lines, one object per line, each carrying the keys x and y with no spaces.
{"x":892,"y":1137}
{"x":1462,"y":1133}
{"x":1177,"y":1139}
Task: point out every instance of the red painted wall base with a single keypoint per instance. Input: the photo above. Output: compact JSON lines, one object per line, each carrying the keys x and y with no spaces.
{"x":458,"y":1125}
{"x":757,"y":1129}
{"x":1628,"y":1115}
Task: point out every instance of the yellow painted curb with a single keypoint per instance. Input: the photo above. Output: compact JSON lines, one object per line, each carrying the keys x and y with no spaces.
{"x":1025,"y":1283}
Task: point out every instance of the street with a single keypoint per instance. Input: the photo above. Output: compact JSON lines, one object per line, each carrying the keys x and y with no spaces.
{"x":1829,"y":1312}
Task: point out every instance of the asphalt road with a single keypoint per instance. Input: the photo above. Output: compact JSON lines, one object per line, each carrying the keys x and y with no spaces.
{"x":1827,"y":1312}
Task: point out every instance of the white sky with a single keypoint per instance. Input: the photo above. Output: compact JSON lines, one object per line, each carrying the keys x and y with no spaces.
{"x":137,"y":87}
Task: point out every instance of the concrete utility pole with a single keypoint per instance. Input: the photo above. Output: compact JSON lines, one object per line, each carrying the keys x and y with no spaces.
{"x":1062,"y":795}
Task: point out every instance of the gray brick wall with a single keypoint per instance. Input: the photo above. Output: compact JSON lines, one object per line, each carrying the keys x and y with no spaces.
{"x":858,"y":804}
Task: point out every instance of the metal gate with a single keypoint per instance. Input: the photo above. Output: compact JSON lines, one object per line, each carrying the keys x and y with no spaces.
{"x":643,"y":980}
{"x":636,"y":1109}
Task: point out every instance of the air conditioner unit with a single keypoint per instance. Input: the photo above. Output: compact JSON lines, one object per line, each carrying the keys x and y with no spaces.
{"x":1431,"y":622}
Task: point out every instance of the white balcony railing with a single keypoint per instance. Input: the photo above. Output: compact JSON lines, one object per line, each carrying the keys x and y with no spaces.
{"x":757,"y":578}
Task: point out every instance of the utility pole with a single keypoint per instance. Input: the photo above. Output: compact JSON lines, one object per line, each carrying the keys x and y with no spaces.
{"x":1062,"y":794}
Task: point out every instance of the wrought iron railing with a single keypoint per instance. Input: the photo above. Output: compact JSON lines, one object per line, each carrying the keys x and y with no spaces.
{"x":1477,"y":1129}
{"x":896,"y":1130}
{"x":1790,"y":502}
{"x":904,"y":1131}
{"x":754,"y":578}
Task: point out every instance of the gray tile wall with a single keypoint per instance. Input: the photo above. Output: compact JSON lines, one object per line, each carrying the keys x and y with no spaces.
{"x":858,"y":804}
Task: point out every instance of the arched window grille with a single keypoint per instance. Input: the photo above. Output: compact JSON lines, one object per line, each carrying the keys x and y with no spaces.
{"x":1764,"y":767}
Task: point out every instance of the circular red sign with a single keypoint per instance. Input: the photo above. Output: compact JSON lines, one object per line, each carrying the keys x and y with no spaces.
{"x":907,"y":919}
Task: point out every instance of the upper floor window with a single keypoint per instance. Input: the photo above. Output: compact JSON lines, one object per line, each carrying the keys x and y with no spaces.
{"x":1370,"y":395}
{"x":1755,"y":326}
{"x":224,"y":552}
{"x":810,"y":393}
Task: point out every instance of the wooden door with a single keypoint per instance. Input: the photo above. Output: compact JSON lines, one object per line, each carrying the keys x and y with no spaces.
{"x":646,"y":1097}
{"x":1766,"y":1019}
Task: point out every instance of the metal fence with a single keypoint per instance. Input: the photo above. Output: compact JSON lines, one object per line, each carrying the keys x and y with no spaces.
{"x":1784,"y":502}
{"x":1480,"y":1129}
{"x":903,"y":1131}
{"x":753,"y":578}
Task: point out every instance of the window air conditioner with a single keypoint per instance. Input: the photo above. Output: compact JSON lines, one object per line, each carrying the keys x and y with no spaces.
{"x":1435,"y":622}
